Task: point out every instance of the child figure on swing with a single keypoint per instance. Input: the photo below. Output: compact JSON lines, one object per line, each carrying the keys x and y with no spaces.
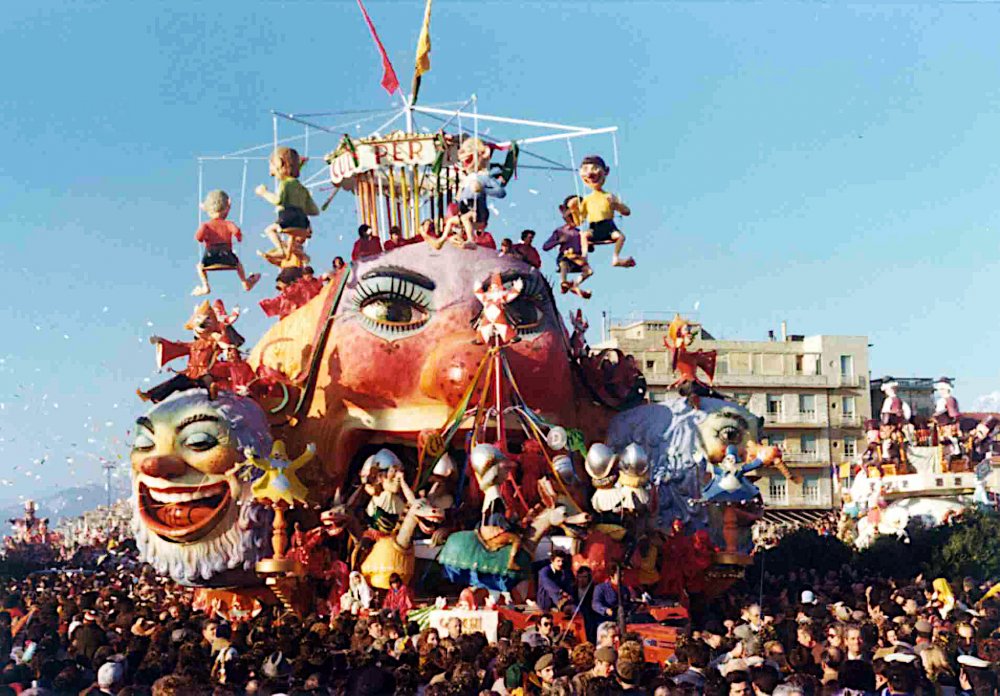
{"x":598,"y":208}
{"x":217,"y":234}
{"x":294,"y":205}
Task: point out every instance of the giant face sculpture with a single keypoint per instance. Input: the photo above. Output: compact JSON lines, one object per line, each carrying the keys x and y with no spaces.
{"x":193,"y":516}
{"x":680,"y":440}
{"x":402,"y":350}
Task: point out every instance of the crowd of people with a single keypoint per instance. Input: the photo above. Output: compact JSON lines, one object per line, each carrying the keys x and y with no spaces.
{"x":128,"y":632}
{"x":768,"y":533}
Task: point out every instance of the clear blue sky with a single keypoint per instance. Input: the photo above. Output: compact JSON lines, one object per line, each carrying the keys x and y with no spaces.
{"x":832,"y":165}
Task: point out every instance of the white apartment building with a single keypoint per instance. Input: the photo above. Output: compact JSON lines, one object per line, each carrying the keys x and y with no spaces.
{"x":811,"y":391}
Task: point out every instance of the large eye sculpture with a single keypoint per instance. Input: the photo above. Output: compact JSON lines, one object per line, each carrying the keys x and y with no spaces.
{"x":143,"y":443}
{"x":392,"y":306}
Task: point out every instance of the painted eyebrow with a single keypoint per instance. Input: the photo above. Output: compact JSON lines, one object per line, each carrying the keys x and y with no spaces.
{"x":145,"y":423}
{"x":197,"y":418}
{"x":402,"y":274}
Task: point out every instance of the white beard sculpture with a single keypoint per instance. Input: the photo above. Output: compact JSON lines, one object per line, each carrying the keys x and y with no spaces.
{"x":240,"y":539}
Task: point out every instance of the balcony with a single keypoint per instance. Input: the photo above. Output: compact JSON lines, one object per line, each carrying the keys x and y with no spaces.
{"x":849,"y":420}
{"x":801,"y":457}
{"x":800,"y":501}
{"x":806,"y":419}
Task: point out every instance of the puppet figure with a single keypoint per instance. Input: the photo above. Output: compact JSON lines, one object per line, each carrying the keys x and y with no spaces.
{"x":293,"y":202}
{"x":873,"y":451}
{"x":571,"y":259}
{"x":495,"y":530}
{"x":607,"y":499}
{"x":728,"y":483}
{"x":384,"y":481}
{"x":890,"y":445}
{"x":895,"y":411}
{"x":280,"y":482}
{"x":211,"y":337}
{"x":217,"y":234}
{"x":633,"y":480}
{"x":686,"y":363}
{"x":946,"y":416}
{"x":981,"y":439}
{"x":598,"y":208}
{"x":493,"y":323}
{"x":441,"y":493}
{"x":475,"y":184}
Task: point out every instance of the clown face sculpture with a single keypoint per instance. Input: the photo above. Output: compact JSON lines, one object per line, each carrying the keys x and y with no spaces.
{"x":194,"y":517}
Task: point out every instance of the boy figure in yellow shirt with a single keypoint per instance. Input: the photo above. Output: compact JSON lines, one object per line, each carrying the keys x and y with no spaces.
{"x":598,"y":208}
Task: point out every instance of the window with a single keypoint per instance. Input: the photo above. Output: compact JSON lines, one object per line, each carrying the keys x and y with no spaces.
{"x":739,"y":364}
{"x":722,"y":365}
{"x":807,"y":406}
{"x":772,"y":364}
{"x":850,"y":447}
{"x":650,"y":364}
{"x":800,"y":364}
{"x":777,"y":490}
{"x":811,"y":490}
{"x":776,"y":439}
{"x":808,"y":444}
{"x":846,"y":365}
{"x":742,"y":399}
{"x":848,"y":402}
{"x":773,"y":405}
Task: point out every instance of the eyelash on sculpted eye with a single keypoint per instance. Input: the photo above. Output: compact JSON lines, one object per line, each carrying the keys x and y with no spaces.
{"x":389,"y":286}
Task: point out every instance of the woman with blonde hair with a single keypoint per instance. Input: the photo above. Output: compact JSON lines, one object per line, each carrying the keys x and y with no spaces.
{"x":938,"y":670}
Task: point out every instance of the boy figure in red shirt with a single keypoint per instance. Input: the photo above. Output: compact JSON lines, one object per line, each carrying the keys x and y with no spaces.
{"x":217,"y":235}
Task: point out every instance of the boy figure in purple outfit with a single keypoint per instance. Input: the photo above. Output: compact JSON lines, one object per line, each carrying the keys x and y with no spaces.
{"x":571,"y":259}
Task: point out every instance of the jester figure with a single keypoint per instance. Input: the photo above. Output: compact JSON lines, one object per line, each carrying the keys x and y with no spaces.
{"x":686,"y":363}
{"x":213,"y":334}
{"x":494,"y":325}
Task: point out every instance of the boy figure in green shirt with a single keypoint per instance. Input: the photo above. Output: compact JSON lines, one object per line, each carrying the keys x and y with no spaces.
{"x":293,"y":201}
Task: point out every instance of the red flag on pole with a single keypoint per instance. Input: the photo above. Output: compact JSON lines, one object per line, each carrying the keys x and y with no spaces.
{"x":389,"y":80}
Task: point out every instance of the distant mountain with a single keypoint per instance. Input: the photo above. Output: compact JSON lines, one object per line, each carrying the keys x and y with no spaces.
{"x":68,"y":502}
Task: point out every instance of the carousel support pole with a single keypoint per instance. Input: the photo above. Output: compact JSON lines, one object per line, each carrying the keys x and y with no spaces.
{"x":416,"y":201}
{"x":391,"y":203}
{"x":498,"y":389}
{"x":382,"y":210}
{"x":405,"y":196}
{"x":408,"y":106}
{"x":279,"y":542}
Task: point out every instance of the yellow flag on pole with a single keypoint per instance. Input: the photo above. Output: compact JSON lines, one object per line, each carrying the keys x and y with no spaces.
{"x":423,"y":63}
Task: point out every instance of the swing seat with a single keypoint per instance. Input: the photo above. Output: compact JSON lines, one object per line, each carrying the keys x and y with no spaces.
{"x":220,"y":267}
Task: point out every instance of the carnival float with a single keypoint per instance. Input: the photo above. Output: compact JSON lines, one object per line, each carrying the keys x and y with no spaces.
{"x":918,"y":470}
{"x":424,"y":412}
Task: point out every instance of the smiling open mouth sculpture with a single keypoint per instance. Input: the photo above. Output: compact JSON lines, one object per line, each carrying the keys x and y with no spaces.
{"x":194,"y":516}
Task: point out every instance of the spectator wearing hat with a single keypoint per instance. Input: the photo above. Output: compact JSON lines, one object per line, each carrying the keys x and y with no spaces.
{"x":110,"y":678}
{"x":545,"y":671}
{"x":923,"y":631}
{"x":975,"y":677}
{"x":89,"y":637}
{"x":605,"y":660}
